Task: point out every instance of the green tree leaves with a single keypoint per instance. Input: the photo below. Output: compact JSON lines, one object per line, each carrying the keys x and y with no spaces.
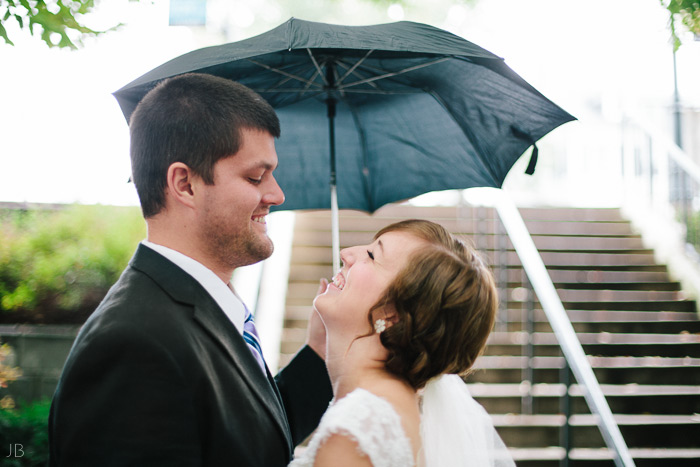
{"x":688,"y":12}
{"x":59,"y":23}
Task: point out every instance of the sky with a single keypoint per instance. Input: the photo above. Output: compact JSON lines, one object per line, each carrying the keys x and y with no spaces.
{"x":63,"y":138}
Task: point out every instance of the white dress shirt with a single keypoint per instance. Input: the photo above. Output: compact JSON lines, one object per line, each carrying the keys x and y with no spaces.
{"x":222,"y":293}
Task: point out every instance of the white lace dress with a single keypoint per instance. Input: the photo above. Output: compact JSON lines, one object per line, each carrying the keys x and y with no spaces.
{"x":370,"y":421}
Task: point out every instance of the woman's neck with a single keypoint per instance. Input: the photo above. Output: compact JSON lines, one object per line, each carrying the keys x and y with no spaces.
{"x":355,"y":363}
{"x":361,"y":363}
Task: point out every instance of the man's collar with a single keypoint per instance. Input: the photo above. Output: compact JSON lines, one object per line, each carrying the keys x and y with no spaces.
{"x":221,"y":292}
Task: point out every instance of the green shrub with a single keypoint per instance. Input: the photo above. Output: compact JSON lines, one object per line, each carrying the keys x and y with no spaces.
{"x":26,"y":429}
{"x":64,"y":259}
{"x":692,"y":235}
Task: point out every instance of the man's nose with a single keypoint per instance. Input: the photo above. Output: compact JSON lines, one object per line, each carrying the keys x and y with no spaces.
{"x":274,"y":195}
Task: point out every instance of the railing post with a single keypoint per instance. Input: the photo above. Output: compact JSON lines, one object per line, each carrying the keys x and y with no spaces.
{"x":501,"y":254}
{"x":650,"y":166}
{"x":685,"y":204}
{"x":565,"y":408}
{"x":528,"y":373}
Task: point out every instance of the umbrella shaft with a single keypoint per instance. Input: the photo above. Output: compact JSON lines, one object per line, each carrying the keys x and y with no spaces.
{"x":331,"y":136}
{"x":335,"y":230}
{"x":330,"y":102}
{"x":334,"y":192}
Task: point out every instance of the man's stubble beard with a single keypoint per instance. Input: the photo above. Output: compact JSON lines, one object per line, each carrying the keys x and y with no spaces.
{"x":234,"y":249}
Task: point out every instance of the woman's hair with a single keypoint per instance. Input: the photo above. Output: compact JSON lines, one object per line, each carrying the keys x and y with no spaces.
{"x":446,"y":301}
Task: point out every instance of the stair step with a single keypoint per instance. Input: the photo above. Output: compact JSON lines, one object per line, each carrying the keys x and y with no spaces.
{"x":298,"y":313}
{"x":653,"y":306}
{"x":509,"y":362}
{"x":640,"y":327}
{"x":521,"y":338}
{"x":558,"y":420}
{"x":468,"y":213}
{"x":522,"y":397}
{"x":556,"y":454}
{"x":655,"y":320}
{"x":576,"y":316}
{"x":537,"y":454}
{"x":642,"y":433}
{"x":311,"y":272}
{"x":493,"y":363}
{"x":573,"y":214}
{"x":482,"y":390}
{"x":597,"y":316}
{"x":570,"y":296}
{"x":636,"y":453}
{"x":302,"y":293}
{"x":596,"y":276}
{"x":553,"y":259}
{"x":465,"y":226}
{"x":605,"y":375}
{"x":637,"y":419}
{"x":598,"y":338}
{"x":567,"y":260}
{"x":610,"y":321}
{"x":628,"y":286}
{"x":492,"y":242}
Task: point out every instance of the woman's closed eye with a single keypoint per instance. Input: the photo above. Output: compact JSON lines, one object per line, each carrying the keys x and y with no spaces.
{"x":370,"y":254}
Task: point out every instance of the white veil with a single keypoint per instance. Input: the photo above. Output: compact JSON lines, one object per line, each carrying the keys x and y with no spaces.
{"x":456,"y":430}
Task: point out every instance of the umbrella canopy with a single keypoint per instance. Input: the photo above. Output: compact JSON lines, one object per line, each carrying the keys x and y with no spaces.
{"x":408,"y":108}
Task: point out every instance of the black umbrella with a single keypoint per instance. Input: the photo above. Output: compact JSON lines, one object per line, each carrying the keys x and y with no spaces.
{"x":410,"y":108}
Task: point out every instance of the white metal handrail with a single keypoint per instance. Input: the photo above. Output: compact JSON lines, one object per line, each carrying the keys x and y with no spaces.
{"x":561,"y":325}
{"x":666,"y":146}
{"x":662,"y":198}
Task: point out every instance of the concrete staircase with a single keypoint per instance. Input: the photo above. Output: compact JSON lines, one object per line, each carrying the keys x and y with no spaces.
{"x":641,"y":334}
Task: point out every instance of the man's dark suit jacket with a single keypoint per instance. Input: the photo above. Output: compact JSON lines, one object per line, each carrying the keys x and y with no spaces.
{"x":159,"y":376}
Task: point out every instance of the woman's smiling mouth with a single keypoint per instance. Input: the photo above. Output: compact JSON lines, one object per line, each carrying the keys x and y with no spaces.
{"x":338,"y":281}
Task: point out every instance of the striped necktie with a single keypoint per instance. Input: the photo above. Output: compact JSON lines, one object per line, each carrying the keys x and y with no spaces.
{"x":250,"y":335}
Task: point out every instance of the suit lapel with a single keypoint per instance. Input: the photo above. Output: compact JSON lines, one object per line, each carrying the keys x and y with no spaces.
{"x":207,"y":314}
{"x":213,"y":320}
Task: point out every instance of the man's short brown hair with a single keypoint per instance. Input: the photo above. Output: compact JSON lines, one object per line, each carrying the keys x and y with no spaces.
{"x":195,"y":119}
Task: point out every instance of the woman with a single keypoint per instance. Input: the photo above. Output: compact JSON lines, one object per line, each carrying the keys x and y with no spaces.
{"x":403,"y":317}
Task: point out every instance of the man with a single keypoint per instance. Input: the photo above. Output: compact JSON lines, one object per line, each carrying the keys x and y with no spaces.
{"x":166,"y":371}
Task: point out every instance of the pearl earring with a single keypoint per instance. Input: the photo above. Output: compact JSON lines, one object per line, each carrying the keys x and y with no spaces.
{"x":380,"y":326}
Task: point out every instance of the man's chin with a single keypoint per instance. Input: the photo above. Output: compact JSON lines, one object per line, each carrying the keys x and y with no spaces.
{"x":260,"y":252}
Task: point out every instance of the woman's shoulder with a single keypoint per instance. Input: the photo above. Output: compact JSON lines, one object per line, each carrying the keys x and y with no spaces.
{"x":404,"y":402}
{"x":381,"y":399}
{"x":364,"y":405}
{"x":401,"y":397}
{"x":371,"y":423}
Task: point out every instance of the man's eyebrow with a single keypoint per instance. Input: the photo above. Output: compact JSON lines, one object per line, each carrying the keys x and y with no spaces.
{"x":264,"y":165}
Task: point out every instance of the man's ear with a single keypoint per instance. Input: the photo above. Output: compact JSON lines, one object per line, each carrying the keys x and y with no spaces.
{"x":181,"y":183}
